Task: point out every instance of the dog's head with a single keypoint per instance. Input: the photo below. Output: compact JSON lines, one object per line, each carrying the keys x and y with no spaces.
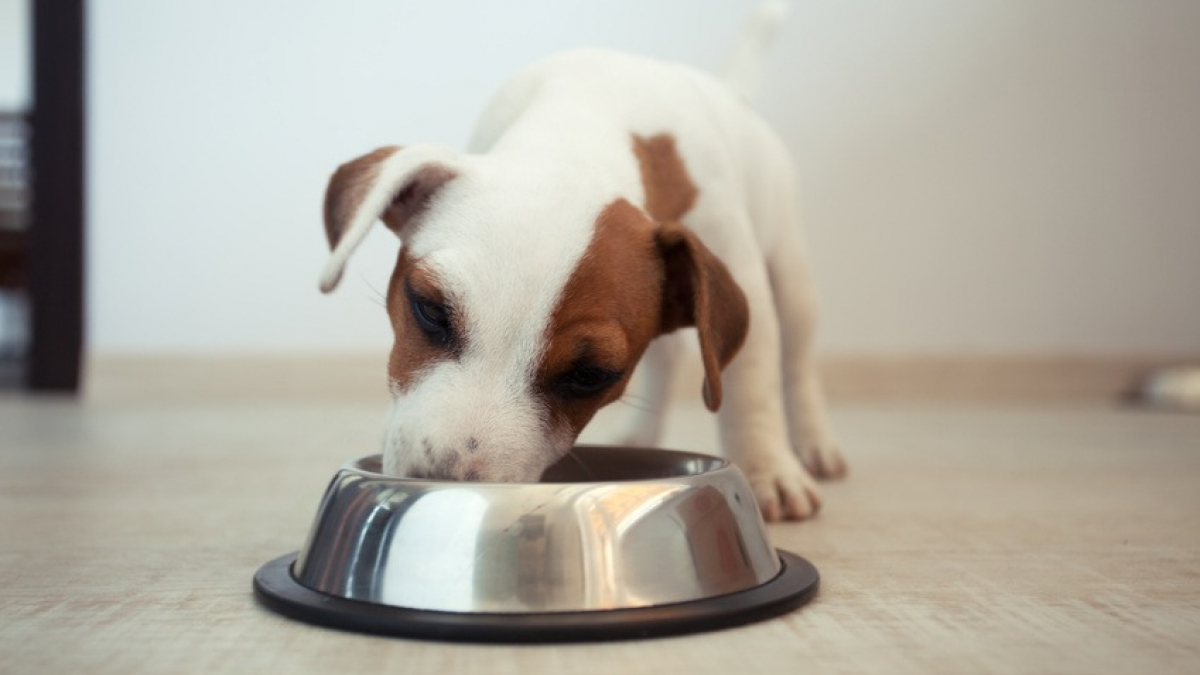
{"x":520,"y":302}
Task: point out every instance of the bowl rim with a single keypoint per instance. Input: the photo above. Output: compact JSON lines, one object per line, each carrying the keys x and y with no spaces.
{"x":714,"y":465}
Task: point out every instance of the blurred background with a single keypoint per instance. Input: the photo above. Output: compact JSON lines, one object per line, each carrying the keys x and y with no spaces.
{"x":1003,"y":182}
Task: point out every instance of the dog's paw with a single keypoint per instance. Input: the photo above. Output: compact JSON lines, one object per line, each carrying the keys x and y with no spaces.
{"x":785,"y":491}
{"x":822,"y":457}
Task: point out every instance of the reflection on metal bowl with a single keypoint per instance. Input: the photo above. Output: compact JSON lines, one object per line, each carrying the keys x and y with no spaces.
{"x":608,"y":530}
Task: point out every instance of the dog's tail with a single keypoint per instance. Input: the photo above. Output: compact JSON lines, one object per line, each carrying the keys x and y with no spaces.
{"x":743,"y":69}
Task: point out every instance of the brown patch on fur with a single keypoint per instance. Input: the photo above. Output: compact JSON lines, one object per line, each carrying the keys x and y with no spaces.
{"x":351,"y":182}
{"x":411,"y":351}
{"x":607,"y":314}
{"x":670,"y":192}
{"x":698,"y":289}
{"x":413,"y":198}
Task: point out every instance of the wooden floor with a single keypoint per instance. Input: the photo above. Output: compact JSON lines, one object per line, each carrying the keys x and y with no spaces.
{"x":1050,"y":538}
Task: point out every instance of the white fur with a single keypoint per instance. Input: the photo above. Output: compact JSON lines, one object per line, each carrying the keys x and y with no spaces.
{"x":508,"y":235}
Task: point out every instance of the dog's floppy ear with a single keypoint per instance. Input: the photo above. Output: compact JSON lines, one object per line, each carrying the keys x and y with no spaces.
{"x":699,"y":291}
{"x":391,"y":184}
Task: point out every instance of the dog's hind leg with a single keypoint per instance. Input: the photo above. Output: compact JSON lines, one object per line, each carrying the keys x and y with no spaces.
{"x":795,"y":304}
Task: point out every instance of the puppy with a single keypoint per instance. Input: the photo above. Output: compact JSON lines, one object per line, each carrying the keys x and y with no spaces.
{"x":606,"y":202}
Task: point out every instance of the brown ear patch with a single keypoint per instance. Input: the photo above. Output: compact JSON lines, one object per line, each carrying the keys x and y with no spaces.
{"x":670,"y":192}
{"x":699,"y":291}
{"x":352,"y":181}
{"x":348,"y":188}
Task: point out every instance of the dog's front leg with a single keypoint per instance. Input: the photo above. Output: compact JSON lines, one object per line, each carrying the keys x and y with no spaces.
{"x":753,"y":423}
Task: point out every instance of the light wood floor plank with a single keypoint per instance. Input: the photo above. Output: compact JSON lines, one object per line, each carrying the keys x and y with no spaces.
{"x":1048,"y":538}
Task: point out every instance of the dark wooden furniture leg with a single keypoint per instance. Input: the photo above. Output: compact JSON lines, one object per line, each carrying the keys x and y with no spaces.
{"x":56,"y":242}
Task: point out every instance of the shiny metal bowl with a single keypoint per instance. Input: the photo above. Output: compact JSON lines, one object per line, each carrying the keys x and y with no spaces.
{"x":607,"y":540}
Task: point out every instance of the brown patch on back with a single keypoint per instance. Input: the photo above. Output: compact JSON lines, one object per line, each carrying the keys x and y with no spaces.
{"x":608,"y":311}
{"x":670,"y":192}
{"x":414,"y":197}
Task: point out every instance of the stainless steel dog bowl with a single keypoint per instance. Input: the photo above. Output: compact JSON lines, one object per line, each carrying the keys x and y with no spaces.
{"x":612,"y":543}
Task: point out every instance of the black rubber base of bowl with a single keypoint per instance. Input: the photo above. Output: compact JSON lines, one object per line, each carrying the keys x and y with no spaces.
{"x":795,"y":585}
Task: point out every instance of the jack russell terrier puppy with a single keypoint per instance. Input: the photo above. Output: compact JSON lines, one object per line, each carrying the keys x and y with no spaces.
{"x":606,"y":202}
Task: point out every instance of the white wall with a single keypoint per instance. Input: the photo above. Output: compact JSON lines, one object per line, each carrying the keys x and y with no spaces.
{"x":995,"y":176}
{"x":14,"y":54}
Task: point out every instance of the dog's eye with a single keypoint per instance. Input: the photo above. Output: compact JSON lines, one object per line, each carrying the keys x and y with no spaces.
{"x":433,"y":318}
{"x":584,"y":381}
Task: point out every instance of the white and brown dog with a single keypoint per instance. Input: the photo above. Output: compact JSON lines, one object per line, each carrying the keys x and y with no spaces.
{"x":606,"y":202}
